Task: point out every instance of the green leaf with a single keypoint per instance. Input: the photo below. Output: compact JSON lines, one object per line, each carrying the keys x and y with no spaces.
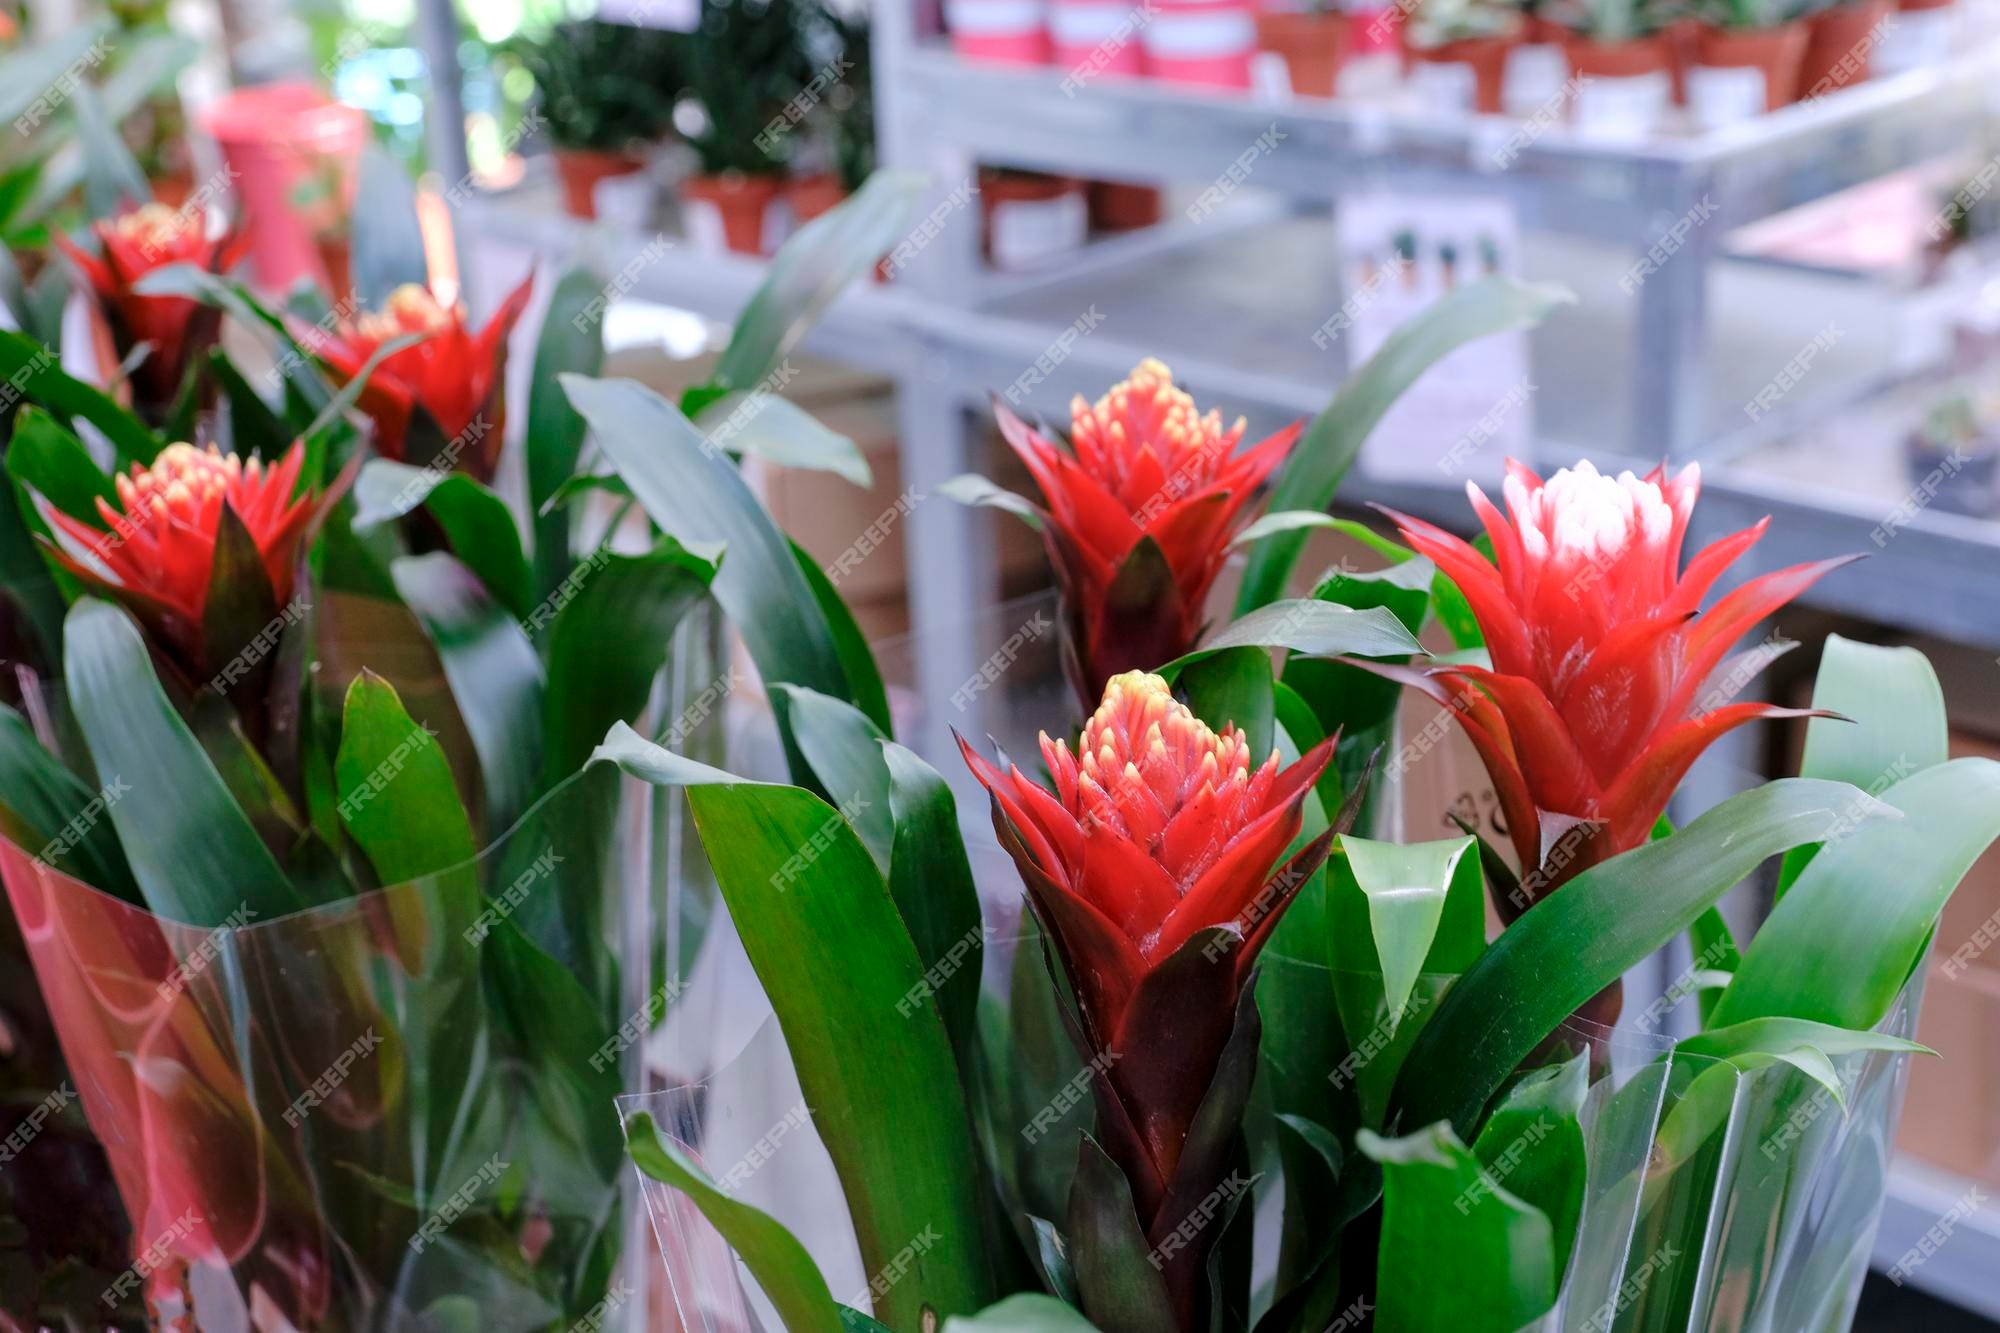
{"x":857,"y":659}
{"x":476,"y":522}
{"x":1458,"y":1252}
{"x":1534,"y":1143}
{"x":1891,"y":723}
{"x":495,"y":676}
{"x":194,"y":853}
{"x":696,"y":495}
{"x":1573,"y":944}
{"x":28,"y":364}
{"x":398,"y":800}
{"x":969,"y":488}
{"x":1840,"y":946}
{"x":42,"y":802}
{"x":783,"y":1269}
{"x":843,"y":749}
{"x":111,"y":177}
{"x":633,"y":602}
{"x":1784,"y":1036}
{"x":826,"y":940}
{"x":1029,"y":1312}
{"x":388,"y":246}
{"x":54,"y":463}
{"x":1234,"y":686}
{"x":571,"y":342}
{"x":1333,"y":441}
{"x":1310,"y":628}
{"x":931,"y":881}
{"x":1296,"y":520}
{"x":812,"y":268}
{"x":776,"y":430}
{"x":240,"y":606}
{"x":1115,"y":1268}
{"x":1713,"y":947}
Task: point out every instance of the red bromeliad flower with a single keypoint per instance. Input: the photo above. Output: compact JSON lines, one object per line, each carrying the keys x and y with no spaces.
{"x":1151,"y":868}
{"x":158,"y":557}
{"x":1606,"y":684}
{"x":1139,"y":519}
{"x":453,"y":375}
{"x":177,"y":329}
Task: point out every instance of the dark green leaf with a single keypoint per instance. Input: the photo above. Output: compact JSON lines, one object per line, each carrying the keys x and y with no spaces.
{"x":398,"y":799}
{"x":1534,"y":1143}
{"x":931,"y":881}
{"x":571,"y":342}
{"x":1234,"y":686}
{"x":476,"y":522}
{"x":47,"y":813}
{"x":55,"y":464}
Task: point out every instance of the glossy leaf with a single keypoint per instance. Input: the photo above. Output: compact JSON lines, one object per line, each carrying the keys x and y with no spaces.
{"x":696,"y":495}
{"x":477,"y":523}
{"x":195,"y":855}
{"x":42,"y":802}
{"x":1029,"y":1312}
{"x":826,"y":940}
{"x":969,"y":488}
{"x":1233,"y":687}
{"x":1333,"y":441}
{"x":54,"y":463}
{"x":1459,"y":1253}
{"x":27,"y":363}
{"x":1310,"y":628}
{"x":1571,"y":945}
{"x":413,"y":824}
{"x":850,"y":646}
{"x":931,"y":881}
{"x":1839,"y":947}
{"x":608,"y":641}
{"x":1534,"y":1142}
{"x":778,"y":431}
{"x":783,"y":1269}
{"x":571,"y":342}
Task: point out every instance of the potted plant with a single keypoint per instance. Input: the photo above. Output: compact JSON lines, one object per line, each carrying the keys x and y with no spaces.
{"x":606,"y":93}
{"x":1746,"y":60}
{"x":1840,"y":44}
{"x":1623,"y":54}
{"x":1458,"y":50}
{"x":1312,"y":39}
{"x":748,"y":61}
{"x":1956,"y":441}
{"x":1030,"y":216}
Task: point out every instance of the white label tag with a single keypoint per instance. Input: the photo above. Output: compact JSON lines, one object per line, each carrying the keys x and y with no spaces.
{"x":1442,"y":85}
{"x":704,"y":225}
{"x":1725,"y":95}
{"x":1622,"y":110}
{"x":1028,"y":231}
{"x":1536,"y":72}
{"x":1916,"y":38}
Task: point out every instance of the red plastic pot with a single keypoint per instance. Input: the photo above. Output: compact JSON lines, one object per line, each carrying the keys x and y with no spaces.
{"x":1840,"y":46}
{"x":1314,"y":46}
{"x":1487,"y":58}
{"x":742,"y":203}
{"x":582,"y":168}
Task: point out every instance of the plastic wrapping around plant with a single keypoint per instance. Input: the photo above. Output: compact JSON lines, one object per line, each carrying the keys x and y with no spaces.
{"x":1716,"y":1193}
{"x":1721,"y":1194}
{"x":368,"y":1115}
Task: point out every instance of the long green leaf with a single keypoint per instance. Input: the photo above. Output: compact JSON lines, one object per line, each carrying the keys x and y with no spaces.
{"x":781,"y":432}
{"x":476,"y":522}
{"x":826,"y":940}
{"x":694,"y":493}
{"x":1840,"y":946}
{"x":571,"y":342}
{"x":1333,"y":441}
{"x":1573,"y":944}
{"x":414,"y":823}
{"x":47,"y":811}
{"x":56,"y":465}
{"x":193,"y":852}
{"x":71,"y":399}
{"x":783,"y":1269}
{"x":1029,"y":1312}
{"x":1534,"y":1142}
{"x":811,"y":269}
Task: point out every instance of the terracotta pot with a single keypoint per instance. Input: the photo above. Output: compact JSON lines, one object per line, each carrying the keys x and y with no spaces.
{"x":813,"y":195}
{"x":1840,"y":45}
{"x":997,"y":189}
{"x":1606,"y":67}
{"x":582,"y":168}
{"x":1313,"y":46}
{"x":1115,"y":206}
{"x":1488,"y":58}
{"x":1910,"y":6}
{"x":1680,"y":37}
{"x":742,"y":201}
{"x":1616,"y":60}
{"x":1776,"y":52}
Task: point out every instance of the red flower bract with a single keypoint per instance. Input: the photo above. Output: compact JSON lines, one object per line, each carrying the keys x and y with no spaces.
{"x":177,"y":328}
{"x":1151,"y":868}
{"x":1606,"y":684}
{"x":1147,"y":469}
{"x":455,"y":375}
{"x":159,"y":554}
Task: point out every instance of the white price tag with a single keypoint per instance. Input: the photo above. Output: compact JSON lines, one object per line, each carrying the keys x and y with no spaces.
{"x":1725,"y":95}
{"x":1536,"y":72}
{"x":1028,"y":231}
{"x":1622,"y":110}
{"x":1443,"y":85}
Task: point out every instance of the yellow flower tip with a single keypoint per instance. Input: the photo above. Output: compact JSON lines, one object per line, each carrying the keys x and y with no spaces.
{"x":182,"y":477}
{"x":151,"y":222}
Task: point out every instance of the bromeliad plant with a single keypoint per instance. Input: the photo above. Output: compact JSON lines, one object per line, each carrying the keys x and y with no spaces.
{"x":348,"y":1068}
{"x":1443,"y":1142}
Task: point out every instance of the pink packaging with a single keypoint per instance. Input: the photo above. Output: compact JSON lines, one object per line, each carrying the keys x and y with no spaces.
{"x":294,"y":153}
{"x":1202,"y":41}
{"x":1010,"y":31}
{"x":1104,"y":38}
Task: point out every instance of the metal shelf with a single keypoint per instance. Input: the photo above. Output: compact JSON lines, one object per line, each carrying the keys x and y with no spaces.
{"x":1965,"y":1268}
